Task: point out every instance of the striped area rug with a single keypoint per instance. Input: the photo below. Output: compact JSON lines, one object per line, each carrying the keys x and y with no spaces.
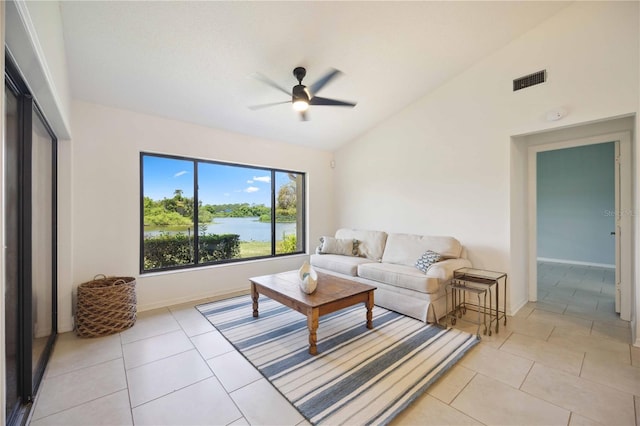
{"x":359,"y":376}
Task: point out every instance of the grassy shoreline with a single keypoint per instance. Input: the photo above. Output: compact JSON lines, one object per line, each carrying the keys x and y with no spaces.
{"x":258,"y":248}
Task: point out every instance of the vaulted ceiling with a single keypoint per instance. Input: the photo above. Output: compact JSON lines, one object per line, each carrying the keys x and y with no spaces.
{"x":194,"y":61}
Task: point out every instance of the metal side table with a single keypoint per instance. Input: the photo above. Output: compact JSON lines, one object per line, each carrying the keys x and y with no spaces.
{"x":484,"y":279}
{"x":459,"y":303}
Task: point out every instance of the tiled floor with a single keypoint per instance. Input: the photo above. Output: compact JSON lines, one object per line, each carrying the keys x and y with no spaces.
{"x":565,"y":360}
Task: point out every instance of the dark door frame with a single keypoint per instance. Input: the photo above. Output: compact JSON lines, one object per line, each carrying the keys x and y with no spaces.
{"x":28,"y":377}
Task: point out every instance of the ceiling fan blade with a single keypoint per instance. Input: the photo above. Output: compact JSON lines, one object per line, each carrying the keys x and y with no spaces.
{"x":255,"y":107}
{"x":266,"y":80}
{"x":303,"y":116}
{"x":317,"y":100}
{"x":318,"y":85}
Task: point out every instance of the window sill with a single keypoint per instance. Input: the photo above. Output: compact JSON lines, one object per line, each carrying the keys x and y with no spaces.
{"x":220,"y":265}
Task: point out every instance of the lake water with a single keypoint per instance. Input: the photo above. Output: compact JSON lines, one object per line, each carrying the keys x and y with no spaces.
{"x":249,"y":228}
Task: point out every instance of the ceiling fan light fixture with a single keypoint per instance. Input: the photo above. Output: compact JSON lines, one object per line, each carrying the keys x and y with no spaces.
{"x":300,"y":105}
{"x":300,"y":98}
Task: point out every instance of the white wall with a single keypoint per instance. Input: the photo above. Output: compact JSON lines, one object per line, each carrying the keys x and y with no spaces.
{"x":443,"y":165}
{"x":106,"y":198}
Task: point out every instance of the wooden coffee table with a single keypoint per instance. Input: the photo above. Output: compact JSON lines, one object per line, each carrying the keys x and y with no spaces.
{"x":333,"y":293}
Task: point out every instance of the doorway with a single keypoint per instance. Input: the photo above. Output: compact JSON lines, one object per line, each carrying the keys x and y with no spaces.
{"x":619,"y":229}
{"x":29,"y":192}
{"x":576,"y":207}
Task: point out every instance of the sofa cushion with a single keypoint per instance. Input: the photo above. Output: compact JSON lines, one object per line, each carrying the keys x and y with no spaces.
{"x":371,"y":243}
{"x":347,"y":265}
{"x":400,"y":276}
{"x":344,"y":246}
{"x":404,"y":249}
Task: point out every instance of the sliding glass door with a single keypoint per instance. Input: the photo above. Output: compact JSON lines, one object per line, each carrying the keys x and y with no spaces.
{"x":43,"y":255}
{"x":30,"y":240}
{"x":12,"y":249}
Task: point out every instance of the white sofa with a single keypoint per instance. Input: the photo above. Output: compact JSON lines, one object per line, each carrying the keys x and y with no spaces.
{"x":388,"y":261}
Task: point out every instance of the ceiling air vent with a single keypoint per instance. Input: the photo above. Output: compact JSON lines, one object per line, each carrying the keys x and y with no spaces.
{"x":530,"y":80}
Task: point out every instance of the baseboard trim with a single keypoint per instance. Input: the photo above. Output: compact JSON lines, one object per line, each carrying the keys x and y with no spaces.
{"x":206,"y":297}
{"x":66,"y":325}
{"x":514,"y":311}
{"x":575,"y":262}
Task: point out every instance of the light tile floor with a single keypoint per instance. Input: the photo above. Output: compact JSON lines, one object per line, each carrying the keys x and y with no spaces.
{"x":564,"y":360}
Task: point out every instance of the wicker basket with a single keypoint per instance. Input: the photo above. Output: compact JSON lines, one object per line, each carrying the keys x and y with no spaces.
{"x":106,"y":305}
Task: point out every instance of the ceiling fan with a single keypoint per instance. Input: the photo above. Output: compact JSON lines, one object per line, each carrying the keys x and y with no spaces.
{"x":301,"y":95}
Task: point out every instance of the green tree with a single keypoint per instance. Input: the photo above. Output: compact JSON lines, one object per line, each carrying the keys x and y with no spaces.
{"x":286,"y":203}
{"x":165,"y":212}
{"x":287,"y":196}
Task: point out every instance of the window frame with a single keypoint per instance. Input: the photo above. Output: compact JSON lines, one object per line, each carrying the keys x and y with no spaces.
{"x":196,"y":261}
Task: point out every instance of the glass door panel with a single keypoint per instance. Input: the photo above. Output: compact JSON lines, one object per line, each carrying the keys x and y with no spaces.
{"x":11,"y":190}
{"x":42,"y":253}
{"x":289,"y":212}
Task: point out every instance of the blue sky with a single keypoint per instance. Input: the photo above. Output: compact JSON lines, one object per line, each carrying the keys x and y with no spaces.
{"x":219,"y":184}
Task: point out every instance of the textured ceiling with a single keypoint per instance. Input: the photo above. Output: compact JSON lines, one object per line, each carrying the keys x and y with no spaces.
{"x":193,"y":61}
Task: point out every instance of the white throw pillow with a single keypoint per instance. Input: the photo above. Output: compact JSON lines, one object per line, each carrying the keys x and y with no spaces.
{"x":365,"y":251}
{"x":346,"y":247}
{"x":371,"y":243}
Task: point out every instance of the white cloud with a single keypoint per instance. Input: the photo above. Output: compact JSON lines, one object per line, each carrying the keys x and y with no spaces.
{"x":265,"y":179}
{"x":184,"y":172}
{"x":252,"y":189}
{"x":249,"y":181}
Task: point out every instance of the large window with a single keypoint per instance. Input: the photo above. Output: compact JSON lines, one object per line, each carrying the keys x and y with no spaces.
{"x":197,"y":212}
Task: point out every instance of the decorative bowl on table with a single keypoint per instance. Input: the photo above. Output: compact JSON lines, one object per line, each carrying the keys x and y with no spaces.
{"x":308,"y":278}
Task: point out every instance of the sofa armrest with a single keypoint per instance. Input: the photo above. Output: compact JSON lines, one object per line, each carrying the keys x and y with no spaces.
{"x":444,"y":269}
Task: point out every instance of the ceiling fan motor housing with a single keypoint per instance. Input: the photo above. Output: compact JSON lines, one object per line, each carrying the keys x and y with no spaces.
{"x":300,"y":93}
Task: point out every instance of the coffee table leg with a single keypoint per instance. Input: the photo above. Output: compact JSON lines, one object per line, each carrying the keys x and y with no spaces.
{"x":312,"y":325}
{"x":254,"y":297}
{"x":370,"y":310}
